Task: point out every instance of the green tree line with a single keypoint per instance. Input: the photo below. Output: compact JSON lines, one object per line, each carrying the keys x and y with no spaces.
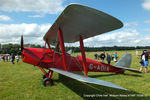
{"x":117,"y":48}
{"x":15,"y":48}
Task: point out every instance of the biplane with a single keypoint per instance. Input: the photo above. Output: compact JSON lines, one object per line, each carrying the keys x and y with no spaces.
{"x":75,"y":23}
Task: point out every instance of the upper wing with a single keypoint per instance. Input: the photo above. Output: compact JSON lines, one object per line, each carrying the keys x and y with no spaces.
{"x":87,"y":79}
{"x":78,"y":20}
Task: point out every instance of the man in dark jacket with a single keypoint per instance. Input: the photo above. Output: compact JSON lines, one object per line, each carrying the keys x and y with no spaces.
{"x":102,"y":56}
{"x":108,"y":58}
{"x":13,"y":59}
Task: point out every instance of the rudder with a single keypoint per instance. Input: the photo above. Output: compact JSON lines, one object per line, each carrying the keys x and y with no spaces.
{"x":124,"y":61}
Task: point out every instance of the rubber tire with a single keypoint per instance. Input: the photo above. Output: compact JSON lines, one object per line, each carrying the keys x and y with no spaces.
{"x":48,"y":82}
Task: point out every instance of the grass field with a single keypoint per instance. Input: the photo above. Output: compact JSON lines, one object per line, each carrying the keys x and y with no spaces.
{"x":24,"y":82}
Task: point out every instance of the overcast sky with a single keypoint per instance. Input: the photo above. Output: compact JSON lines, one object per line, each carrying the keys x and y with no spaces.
{"x":33,"y":18}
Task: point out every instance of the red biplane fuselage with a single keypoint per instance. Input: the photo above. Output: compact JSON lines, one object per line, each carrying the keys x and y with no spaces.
{"x":47,"y":58}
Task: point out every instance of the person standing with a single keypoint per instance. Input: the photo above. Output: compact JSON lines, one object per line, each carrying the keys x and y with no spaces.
{"x":115,"y":57}
{"x":102,"y":56}
{"x":17,"y":58}
{"x":96,"y":56}
{"x":108,"y":58}
{"x":3,"y":57}
{"x":137,"y":53}
{"x":6,"y":57}
{"x":13,"y":59}
{"x":144,"y":61}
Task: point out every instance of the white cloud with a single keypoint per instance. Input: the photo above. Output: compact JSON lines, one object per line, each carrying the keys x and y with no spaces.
{"x":131,"y":24}
{"x":36,"y":16}
{"x":33,"y":33}
{"x":137,"y":41}
{"x":146,"y":29}
{"x":146,"y":5}
{"x":124,"y":38}
{"x":128,"y":37}
{"x":5,"y":18}
{"x":44,"y":6}
{"x":147,"y":21}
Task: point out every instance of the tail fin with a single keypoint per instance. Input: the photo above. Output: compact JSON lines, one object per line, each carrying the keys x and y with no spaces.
{"x":124,"y":61}
{"x":69,"y":52}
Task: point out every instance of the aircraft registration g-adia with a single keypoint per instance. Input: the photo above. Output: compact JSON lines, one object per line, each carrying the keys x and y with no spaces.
{"x":76,"y":22}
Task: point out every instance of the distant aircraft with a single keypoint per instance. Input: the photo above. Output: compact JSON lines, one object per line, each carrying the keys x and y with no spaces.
{"x":76,"y":22}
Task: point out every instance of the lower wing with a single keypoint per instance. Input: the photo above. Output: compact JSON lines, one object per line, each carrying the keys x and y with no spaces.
{"x":87,"y":79}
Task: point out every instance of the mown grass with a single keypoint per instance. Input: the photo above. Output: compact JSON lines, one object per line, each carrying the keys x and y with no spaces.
{"x":24,"y":82}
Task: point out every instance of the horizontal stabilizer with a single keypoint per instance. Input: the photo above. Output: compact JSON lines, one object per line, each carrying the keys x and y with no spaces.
{"x":69,"y":52}
{"x":87,"y":79}
{"x":125,"y":63}
{"x":129,"y":69}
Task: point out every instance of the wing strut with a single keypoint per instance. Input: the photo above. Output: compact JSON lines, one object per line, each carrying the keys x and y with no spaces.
{"x":61,"y":41}
{"x":57,"y":47}
{"x":47,"y":44}
{"x":83,"y":55}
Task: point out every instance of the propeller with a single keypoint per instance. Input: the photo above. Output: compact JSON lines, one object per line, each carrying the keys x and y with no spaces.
{"x":22,"y":47}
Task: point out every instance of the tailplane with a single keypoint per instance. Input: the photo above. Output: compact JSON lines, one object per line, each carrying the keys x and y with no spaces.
{"x":125,"y":63}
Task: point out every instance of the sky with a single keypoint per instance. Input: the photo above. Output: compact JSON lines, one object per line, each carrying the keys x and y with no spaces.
{"x":33,"y":18}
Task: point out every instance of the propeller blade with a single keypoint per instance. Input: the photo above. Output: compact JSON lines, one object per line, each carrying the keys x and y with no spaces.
{"x":22,"y":47}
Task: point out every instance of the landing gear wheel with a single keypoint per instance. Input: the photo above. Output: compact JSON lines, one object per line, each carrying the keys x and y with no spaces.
{"x":48,"y":82}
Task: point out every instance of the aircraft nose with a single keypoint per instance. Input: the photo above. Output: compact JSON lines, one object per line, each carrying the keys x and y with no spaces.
{"x":30,"y":57}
